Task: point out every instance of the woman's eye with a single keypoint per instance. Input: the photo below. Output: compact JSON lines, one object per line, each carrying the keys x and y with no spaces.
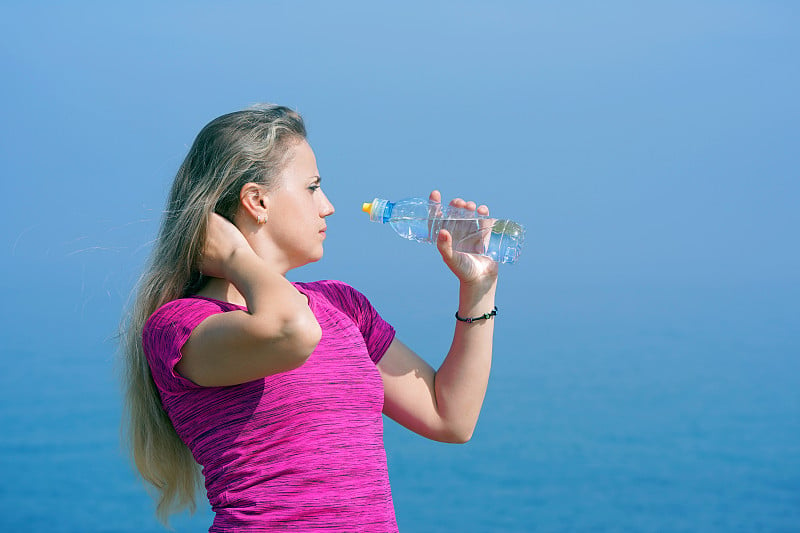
{"x":314,"y":187}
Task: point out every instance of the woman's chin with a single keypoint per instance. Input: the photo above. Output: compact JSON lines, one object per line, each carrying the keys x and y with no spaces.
{"x":315,"y":256}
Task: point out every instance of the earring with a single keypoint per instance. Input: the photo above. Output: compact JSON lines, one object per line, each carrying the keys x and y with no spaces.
{"x":261,"y":219}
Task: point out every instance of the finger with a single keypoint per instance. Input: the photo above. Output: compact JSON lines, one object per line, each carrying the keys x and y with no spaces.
{"x":471,"y":206}
{"x":457,"y":202}
{"x":483,"y":210}
{"x":444,"y":242}
{"x":434,"y":206}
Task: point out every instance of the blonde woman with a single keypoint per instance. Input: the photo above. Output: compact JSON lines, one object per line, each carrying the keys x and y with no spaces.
{"x":274,"y":388}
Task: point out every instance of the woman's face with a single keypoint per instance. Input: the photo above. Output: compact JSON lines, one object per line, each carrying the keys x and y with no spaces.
{"x":298,"y":207}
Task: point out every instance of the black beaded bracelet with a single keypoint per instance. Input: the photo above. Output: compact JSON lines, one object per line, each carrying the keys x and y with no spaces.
{"x":482,"y":317}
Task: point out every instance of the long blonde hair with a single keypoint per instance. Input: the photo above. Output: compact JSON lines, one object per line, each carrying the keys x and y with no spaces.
{"x":232,"y":150}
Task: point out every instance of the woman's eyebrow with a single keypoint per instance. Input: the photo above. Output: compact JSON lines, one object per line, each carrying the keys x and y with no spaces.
{"x":316,"y":179}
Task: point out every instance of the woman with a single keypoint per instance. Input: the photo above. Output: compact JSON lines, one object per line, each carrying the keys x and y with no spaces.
{"x":276,"y":388}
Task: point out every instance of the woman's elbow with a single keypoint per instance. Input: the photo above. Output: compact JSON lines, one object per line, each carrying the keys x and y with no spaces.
{"x":457,"y":435}
{"x":463,"y":437}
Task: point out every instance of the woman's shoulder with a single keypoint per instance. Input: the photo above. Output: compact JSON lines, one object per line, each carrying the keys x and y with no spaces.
{"x":337,"y":294}
{"x":183,"y":309}
{"x":330,"y":289}
{"x":324,"y":285}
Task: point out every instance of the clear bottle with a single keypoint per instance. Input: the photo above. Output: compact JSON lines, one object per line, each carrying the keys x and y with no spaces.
{"x":419,"y":219}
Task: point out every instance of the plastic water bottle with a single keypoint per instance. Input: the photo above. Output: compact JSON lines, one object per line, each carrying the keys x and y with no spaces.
{"x":419,"y":219}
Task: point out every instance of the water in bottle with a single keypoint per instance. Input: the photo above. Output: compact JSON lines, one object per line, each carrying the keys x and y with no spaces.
{"x":420,"y":220}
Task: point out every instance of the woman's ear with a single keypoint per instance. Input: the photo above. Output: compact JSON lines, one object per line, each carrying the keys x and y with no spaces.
{"x":255,"y":202}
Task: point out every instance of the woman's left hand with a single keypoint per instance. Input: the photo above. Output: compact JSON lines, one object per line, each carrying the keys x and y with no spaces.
{"x":472,"y":269}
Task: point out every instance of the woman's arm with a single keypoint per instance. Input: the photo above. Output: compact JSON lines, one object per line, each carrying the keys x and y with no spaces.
{"x":277,"y":333}
{"x":444,"y":404}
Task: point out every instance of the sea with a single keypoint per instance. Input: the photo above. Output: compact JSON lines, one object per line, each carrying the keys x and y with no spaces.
{"x":611,"y":407}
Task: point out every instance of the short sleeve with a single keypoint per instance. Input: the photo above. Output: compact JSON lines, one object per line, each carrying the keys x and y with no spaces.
{"x":165,"y":333}
{"x":378,"y":334}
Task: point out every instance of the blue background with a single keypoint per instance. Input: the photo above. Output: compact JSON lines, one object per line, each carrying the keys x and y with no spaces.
{"x":647,"y":360}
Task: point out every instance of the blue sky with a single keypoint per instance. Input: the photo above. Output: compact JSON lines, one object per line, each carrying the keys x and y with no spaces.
{"x":655,"y":143}
{"x":640,"y":143}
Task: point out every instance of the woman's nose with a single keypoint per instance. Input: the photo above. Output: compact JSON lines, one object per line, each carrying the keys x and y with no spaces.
{"x":327,"y":208}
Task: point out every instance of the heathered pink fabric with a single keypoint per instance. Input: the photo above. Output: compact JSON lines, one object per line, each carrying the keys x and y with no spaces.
{"x":301,"y":450}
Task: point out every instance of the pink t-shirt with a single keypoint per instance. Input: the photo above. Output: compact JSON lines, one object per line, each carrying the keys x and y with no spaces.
{"x":300,"y":450}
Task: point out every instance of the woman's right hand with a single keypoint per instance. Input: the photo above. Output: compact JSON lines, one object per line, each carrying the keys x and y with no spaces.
{"x":276,"y":332}
{"x":223,"y":239}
